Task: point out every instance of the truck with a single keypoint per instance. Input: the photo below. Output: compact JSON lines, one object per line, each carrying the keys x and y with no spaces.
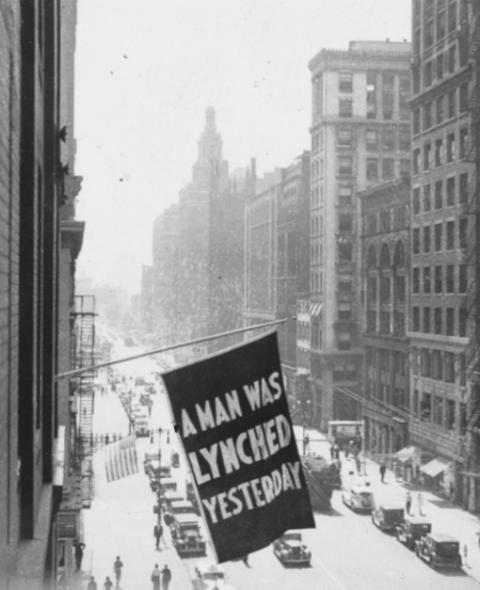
{"x":322,"y":477}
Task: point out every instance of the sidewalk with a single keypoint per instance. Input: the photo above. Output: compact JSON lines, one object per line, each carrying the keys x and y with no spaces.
{"x":444,"y":516}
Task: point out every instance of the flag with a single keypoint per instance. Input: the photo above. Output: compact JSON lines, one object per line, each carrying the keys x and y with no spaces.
{"x":232,"y":416}
{"x":121,"y":459}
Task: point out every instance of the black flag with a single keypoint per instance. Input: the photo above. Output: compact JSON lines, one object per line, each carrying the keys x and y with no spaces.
{"x":232,"y":416}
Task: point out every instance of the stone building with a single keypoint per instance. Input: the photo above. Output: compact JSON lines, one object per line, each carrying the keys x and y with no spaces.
{"x":40,"y":242}
{"x":360,"y":136}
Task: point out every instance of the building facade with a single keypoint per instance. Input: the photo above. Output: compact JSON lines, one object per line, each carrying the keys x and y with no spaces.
{"x":442,"y":175}
{"x":360,"y":136}
{"x":385,"y":287}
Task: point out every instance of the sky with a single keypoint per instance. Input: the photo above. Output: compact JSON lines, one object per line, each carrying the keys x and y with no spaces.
{"x":145,"y":72}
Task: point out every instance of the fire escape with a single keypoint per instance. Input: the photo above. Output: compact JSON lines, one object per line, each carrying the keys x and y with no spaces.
{"x":84,"y":317}
{"x":472,"y":259}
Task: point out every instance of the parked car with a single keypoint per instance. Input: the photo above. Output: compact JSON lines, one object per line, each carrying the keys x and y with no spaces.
{"x":290,"y":550}
{"x":181,"y":507}
{"x":186,"y":536}
{"x":411,"y":530}
{"x":387,"y":517}
{"x":175,"y":459}
{"x":439,"y":550}
{"x":358,"y":497}
{"x":210,"y":576}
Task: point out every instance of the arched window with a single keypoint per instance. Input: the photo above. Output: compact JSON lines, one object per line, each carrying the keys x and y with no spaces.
{"x":399,"y":255}
{"x":371,"y":257}
{"x":385,"y":256}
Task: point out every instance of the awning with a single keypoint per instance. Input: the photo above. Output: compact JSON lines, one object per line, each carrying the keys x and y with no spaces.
{"x":435,"y":467}
{"x":406,"y":454}
{"x":315,"y":309}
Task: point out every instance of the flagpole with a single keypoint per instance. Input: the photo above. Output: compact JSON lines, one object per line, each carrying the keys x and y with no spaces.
{"x":169,"y":347}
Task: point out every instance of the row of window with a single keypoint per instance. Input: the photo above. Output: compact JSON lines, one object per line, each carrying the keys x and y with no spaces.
{"x":438,"y":156}
{"x":440,"y":279}
{"x":387,"y":139}
{"x":436,"y":23}
{"x":438,"y":365}
{"x":374,"y":167}
{"x":444,"y":236}
{"x":444,"y":194}
{"x":442,"y":108}
{"x":440,"y":411}
{"x":447,"y":321}
{"x":385,"y":289}
{"x":386,"y":323}
{"x":386,"y":359}
{"x":386,"y":221}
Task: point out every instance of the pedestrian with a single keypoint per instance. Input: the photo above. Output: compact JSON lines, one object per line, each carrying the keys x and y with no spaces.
{"x":383,"y":469}
{"x":336,"y":450}
{"x":117,"y":568}
{"x":78,"y":548}
{"x":408,"y":502}
{"x":166,"y":577}
{"x":92,"y":585}
{"x":332,"y":453}
{"x":420,"y":503}
{"x":155,"y":577}
{"x":157,"y":533}
{"x":108,"y":584}
{"x":107,"y":439}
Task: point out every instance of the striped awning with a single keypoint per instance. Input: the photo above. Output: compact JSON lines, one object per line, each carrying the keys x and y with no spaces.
{"x":315,"y":309}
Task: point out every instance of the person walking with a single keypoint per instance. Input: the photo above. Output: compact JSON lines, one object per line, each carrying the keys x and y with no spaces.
{"x":108,"y":584}
{"x":157,"y":533}
{"x":78,"y":548}
{"x":92,"y":584}
{"x":166,"y":577}
{"x":117,"y":568}
{"x":408,"y":503}
{"x":420,"y":504}
{"x":383,"y":469}
{"x":155,"y":577}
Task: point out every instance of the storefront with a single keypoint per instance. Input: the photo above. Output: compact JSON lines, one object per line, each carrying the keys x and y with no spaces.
{"x":439,"y":475}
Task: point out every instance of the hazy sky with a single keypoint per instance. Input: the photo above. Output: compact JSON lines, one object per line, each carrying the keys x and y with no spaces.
{"x":147,"y":69}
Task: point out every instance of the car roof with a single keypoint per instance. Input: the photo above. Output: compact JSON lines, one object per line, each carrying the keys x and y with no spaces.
{"x":210,"y":567}
{"x":442,"y":538}
{"x":187,"y":518}
{"x":417,"y":520}
{"x":361,"y":487}
{"x":390,"y":507}
{"x":178,"y":503}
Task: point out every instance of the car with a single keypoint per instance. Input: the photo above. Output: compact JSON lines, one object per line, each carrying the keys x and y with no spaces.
{"x":175,"y":459}
{"x":186,"y":536}
{"x":411,"y":530}
{"x":290,"y":550}
{"x":170,"y":496}
{"x":439,"y":550}
{"x":358,"y":497}
{"x":210,"y":576}
{"x":388,"y":517}
{"x":154,"y":468}
{"x":181,"y":507}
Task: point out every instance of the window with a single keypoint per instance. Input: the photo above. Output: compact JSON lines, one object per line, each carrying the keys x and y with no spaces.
{"x":463,"y":103}
{"x":427,"y":197}
{"x":450,"y":321}
{"x":345,"y":137}
{"x":345,"y":195}
{"x":462,"y":321}
{"x":404,"y":139}
{"x":345,"y":82}
{"x":371,"y":139}
{"x":452,"y":15}
{"x":426,"y":279}
{"x":426,"y":406}
{"x":451,"y":104}
{"x":345,"y":165}
{"x":425,"y":363}
{"x":388,"y":140}
{"x":426,"y":320}
{"x":462,"y":232}
{"x":450,"y":191}
{"x":403,"y":96}
{"x":345,"y":222}
{"x":463,"y":187}
{"x":451,"y":147}
{"x":437,"y":321}
{"x":438,"y":152}
{"x":388,"y":168}
{"x":416,"y":319}
{"x":404,"y":166}
{"x":463,"y":143}
{"x":462,"y":278}
{"x":449,"y":367}
{"x":441,"y":24}
{"x":438,"y":194}
{"x":372,"y":169}
{"x":416,"y":121}
{"x":450,"y":235}
{"x":388,"y":95}
{"x":427,"y":116}
{"x":437,"y":368}
{"x":438,"y":279}
{"x":416,"y":161}
{"x":438,"y":236}
{"x":428,"y":34}
{"x":371,"y":95}
{"x":440,"y":109}
{"x":427,"y":150}
{"x":426,"y":238}
{"x":416,"y":240}
{"x":427,"y":74}
{"x":416,"y":280}
{"x":415,"y":80}
{"x":450,"y":414}
{"x":416,"y":200}
{"x":452,"y":58}
{"x":440,"y":66}
{"x":345,"y":107}
{"x":450,"y":278}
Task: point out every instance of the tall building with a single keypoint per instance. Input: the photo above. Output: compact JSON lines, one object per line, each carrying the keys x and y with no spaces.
{"x":360,"y":135}
{"x":40,"y":241}
{"x":442,"y":174}
{"x":385,"y":286}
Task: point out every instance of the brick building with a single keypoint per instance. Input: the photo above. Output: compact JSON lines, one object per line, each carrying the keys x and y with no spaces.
{"x":360,"y":136}
{"x":36,"y":47}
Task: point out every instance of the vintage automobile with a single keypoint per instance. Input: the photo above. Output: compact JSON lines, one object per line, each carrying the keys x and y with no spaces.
{"x":290,"y":550}
{"x":358,"y":497}
{"x":165,"y":483}
{"x":181,"y":507}
{"x":175,"y":459}
{"x":186,"y":536}
{"x":210,"y":576}
{"x":152,"y":466}
{"x":387,"y":517}
{"x":411,"y":530}
{"x":172,"y":496}
{"x":439,"y":550}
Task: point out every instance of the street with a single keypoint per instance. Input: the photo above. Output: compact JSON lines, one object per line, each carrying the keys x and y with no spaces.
{"x":345,"y":546}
